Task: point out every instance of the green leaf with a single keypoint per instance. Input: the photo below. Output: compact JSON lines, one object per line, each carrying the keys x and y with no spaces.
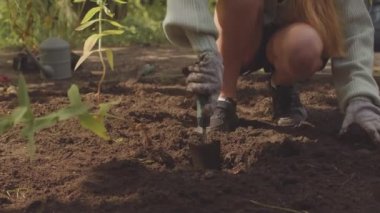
{"x":109,"y":55}
{"x":89,"y":23}
{"x":87,"y":47}
{"x":120,"y":1}
{"x":44,"y":122}
{"x":112,"y":32}
{"x":108,"y":12}
{"x":71,"y":111}
{"x":23,"y":98}
{"x":19,"y":114}
{"x":90,"y":14}
{"x":28,"y":133}
{"x":74,"y":96}
{"x":105,"y":107}
{"x":83,"y":59}
{"x":76,"y":108}
{"x":85,"y":25}
{"x":6,"y":122}
{"x":90,"y":42}
{"x":95,"y":122}
{"x":79,"y":1}
{"x":114,"y":23}
{"x":95,"y":125}
{"x":22,"y":92}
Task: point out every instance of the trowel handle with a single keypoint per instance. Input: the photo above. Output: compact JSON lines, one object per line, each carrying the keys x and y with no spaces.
{"x":202,"y":118}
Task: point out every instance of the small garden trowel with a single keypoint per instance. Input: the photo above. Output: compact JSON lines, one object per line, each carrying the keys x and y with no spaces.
{"x":203,"y":118}
{"x":205,"y":155}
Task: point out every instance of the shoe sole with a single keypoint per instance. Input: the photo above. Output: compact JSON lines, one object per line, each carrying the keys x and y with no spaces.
{"x":292,"y":121}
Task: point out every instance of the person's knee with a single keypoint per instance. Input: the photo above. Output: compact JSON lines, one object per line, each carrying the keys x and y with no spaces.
{"x":305,"y":49}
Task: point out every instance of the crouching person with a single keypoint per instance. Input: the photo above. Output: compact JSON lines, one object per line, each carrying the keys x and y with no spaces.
{"x":293,"y":39}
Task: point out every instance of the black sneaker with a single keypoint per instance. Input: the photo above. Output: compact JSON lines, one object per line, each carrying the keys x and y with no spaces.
{"x":224,"y":117}
{"x":287,"y":107}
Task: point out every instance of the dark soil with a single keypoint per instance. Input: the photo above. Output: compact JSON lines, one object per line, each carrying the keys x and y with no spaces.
{"x":146,"y":167}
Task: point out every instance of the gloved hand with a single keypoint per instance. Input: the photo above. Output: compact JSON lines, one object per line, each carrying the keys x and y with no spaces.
{"x":365,"y":114}
{"x":205,"y":76}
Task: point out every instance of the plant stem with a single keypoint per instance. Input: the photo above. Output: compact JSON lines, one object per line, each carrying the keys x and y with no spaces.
{"x":101,"y":4}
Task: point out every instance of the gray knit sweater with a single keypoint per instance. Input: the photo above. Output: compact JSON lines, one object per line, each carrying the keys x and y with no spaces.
{"x":352,"y":75}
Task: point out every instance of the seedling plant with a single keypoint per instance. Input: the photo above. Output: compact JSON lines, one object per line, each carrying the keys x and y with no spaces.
{"x":95,"y":122}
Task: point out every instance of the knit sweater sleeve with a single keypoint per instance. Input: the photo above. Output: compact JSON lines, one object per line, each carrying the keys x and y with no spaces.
{"x":188,"y":15}
{"x":353,"y":74}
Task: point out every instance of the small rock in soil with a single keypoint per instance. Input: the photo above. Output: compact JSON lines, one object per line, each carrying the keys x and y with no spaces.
{"x":208,"y":175}
{"x":229,"y":159}
{"x":239,"y":169}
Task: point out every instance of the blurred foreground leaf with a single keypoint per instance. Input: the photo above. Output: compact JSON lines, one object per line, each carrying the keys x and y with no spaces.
{"x":23,"y":115}
{"x":95,"y":122}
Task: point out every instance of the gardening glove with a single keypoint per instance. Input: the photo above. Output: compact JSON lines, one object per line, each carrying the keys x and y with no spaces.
{"x":205,"y":76}
{"x":365,"y":114}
